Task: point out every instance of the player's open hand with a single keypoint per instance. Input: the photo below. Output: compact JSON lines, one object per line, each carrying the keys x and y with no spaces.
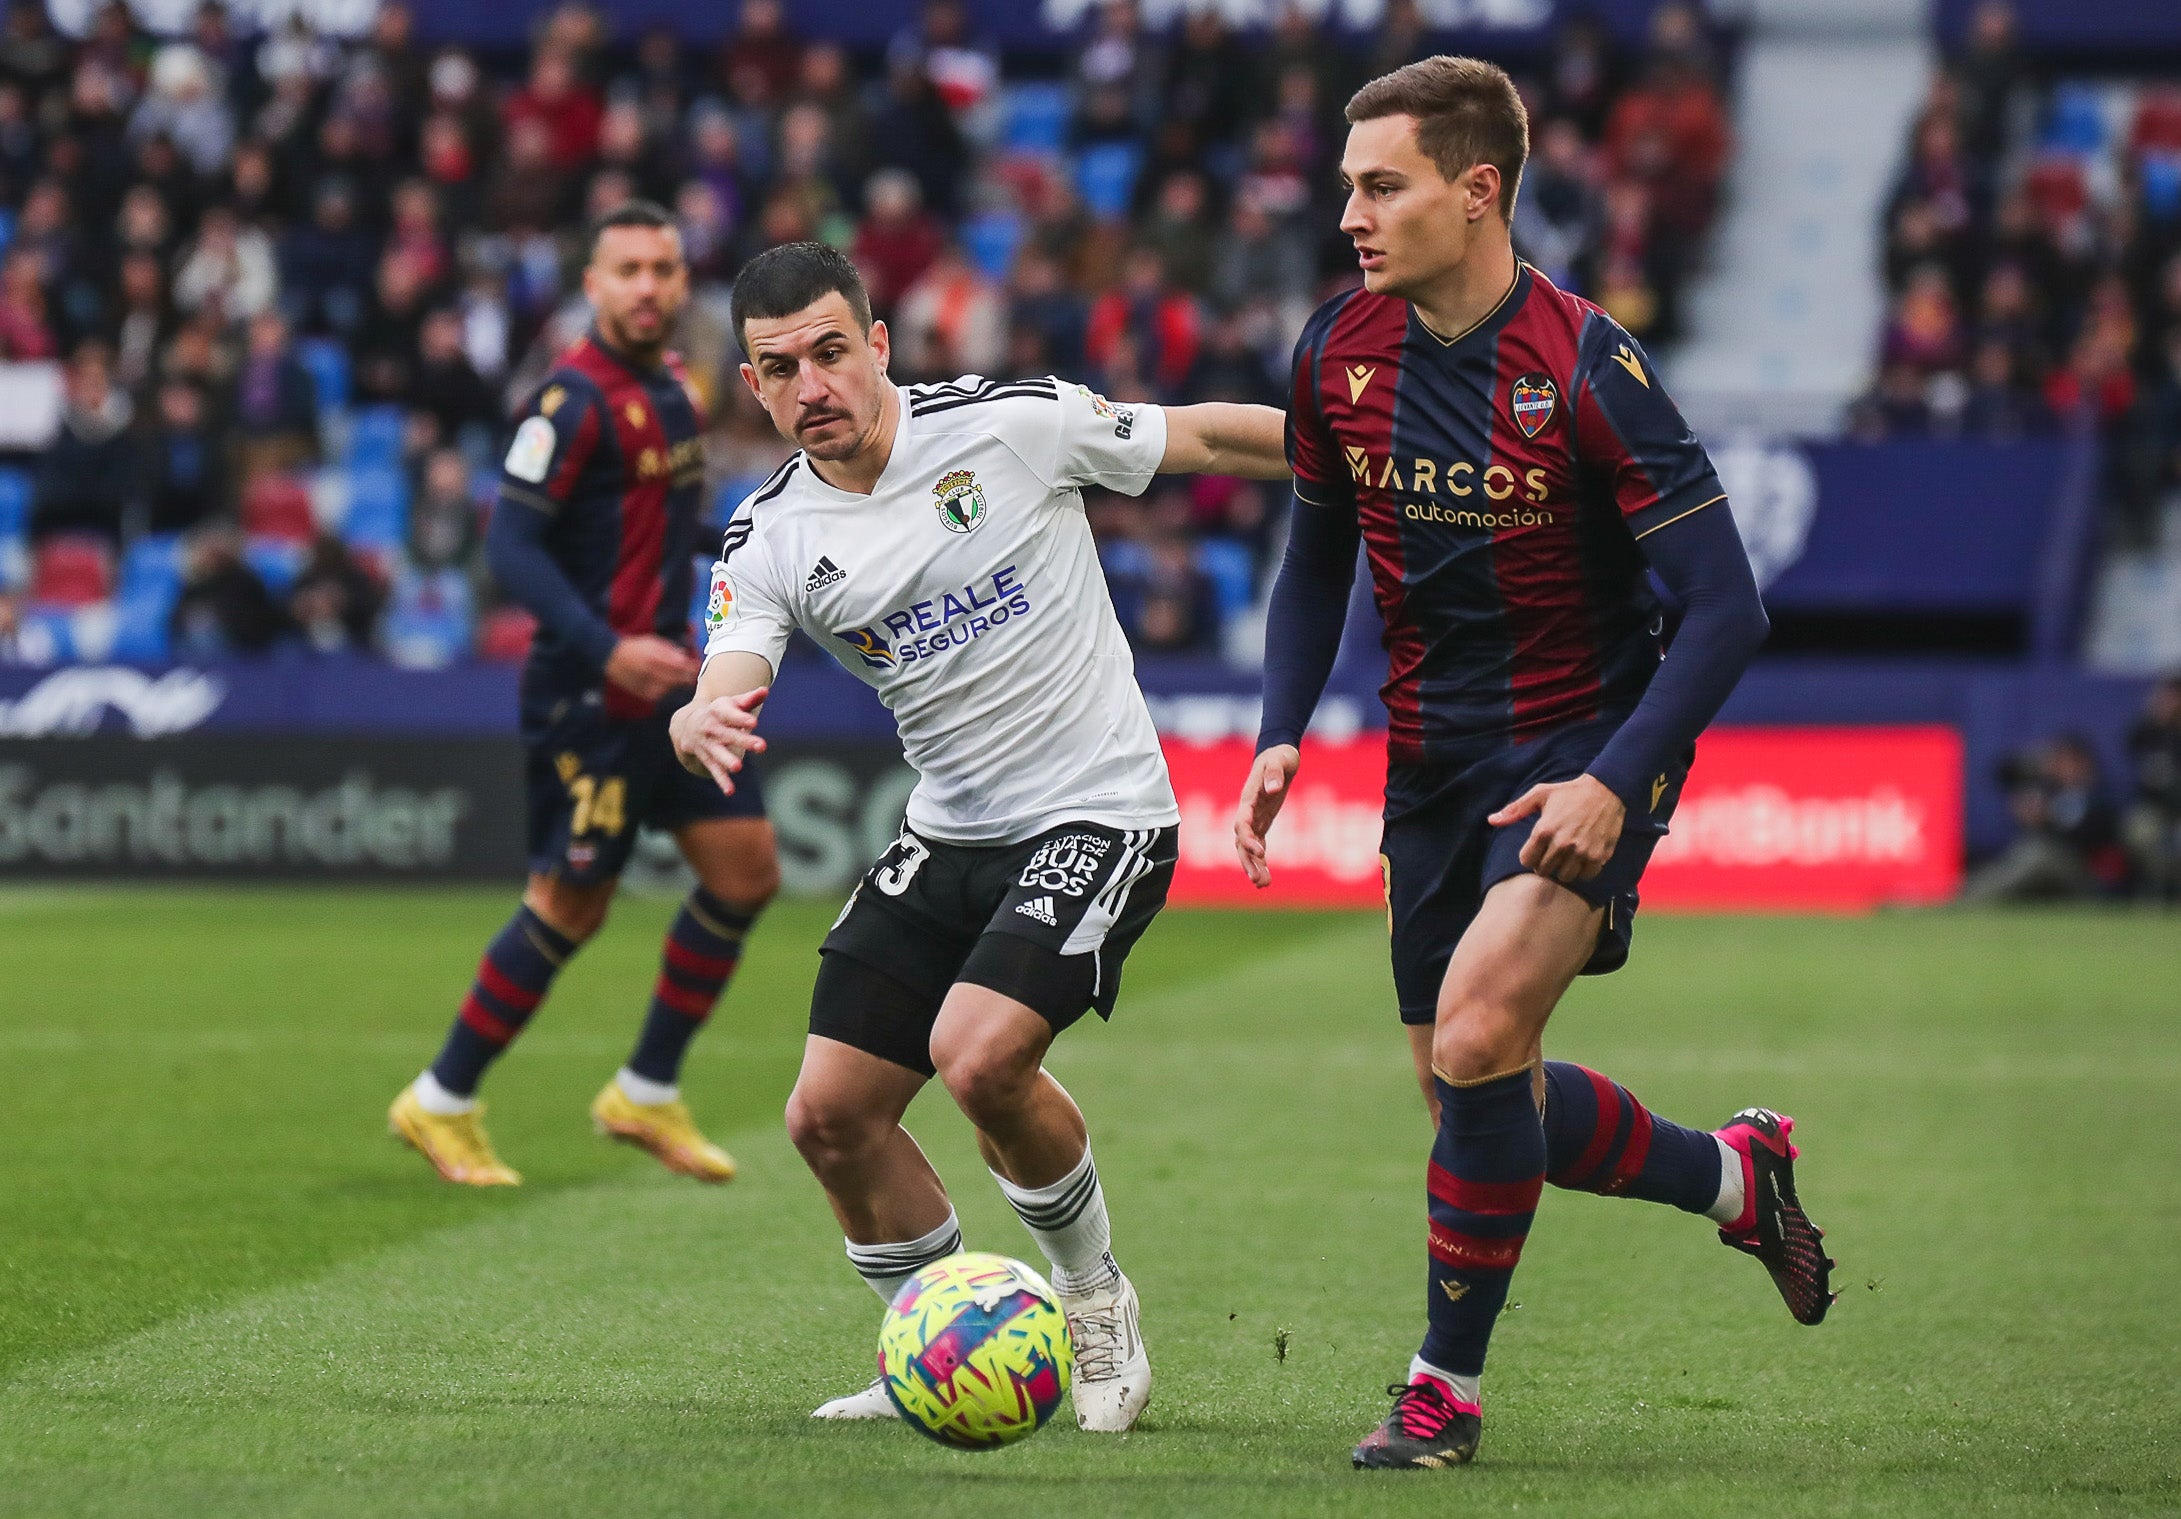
{"x":711,"y":737}
{"x":1578,"y":827}
{"x":648,"y":667}
{"x":1262,"y":795}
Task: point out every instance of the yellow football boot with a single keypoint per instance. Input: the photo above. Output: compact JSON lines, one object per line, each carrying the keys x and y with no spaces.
{"x":454,"y":1143}
{"x":666,"y":1130}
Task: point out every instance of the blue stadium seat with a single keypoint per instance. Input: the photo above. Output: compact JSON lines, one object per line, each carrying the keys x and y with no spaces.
{"x":378,"y":507}
{"x":700,"y":590}
{"x":141,"y":633}
{"x":14,"y":561}
{"x":2076,"y":122}
{"x":991,"y":240}
{"x":14,"y":502}
{"x":430,"y":620}
{"x":374,"y":438}
{"x":151,"y":564}
{"x":7,"y":229}
{"x":277,"y":562}
{"x":1037,"y":118}
{"x":1106,"y":177}
{"x":733,"y":491}
{"x":2161,"y":178}
{"x":327,"y":361}
{"x":1227,"y":564}
{"x":46,"y":636}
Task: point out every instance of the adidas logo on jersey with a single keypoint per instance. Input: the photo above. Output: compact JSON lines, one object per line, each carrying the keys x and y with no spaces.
{"x":824,"y":573}
{"x":1040,"y":908}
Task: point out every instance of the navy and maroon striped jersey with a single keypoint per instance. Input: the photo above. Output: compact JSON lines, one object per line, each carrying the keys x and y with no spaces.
{"x":610,"y":453}
{"x":1501,"y":480}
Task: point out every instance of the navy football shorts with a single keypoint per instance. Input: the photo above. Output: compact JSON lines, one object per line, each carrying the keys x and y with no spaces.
{"x":1441,"y":856}
{"x":1048,"y":922}
{"x":593,"y":780}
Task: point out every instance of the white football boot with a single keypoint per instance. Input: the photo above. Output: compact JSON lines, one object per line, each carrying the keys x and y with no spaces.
{"x":871,"y":1403}
{"x":1112,"y":1371}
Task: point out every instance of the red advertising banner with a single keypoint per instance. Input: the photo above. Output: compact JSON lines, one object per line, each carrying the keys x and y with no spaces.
{"x":1838,"y":819}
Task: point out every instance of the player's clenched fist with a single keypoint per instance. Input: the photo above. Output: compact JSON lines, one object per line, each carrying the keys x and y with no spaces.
{"x":1262,"y":795}
{"x":711,"y":737}
{"x":1578,"y":827}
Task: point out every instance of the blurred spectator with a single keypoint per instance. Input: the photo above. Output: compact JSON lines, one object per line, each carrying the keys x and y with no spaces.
{"x":762,"y":60}
{"x":228,"y":268}
{"x":276,"y":405}
{"x":2154,"y":813}
{"x":446,"y":384}
{"x":186,"y":472}
{"x":325,"y":264}
{"x":1180,"y":228}
{"x":2068,"y":840}
{"x":1147,"y":310}
{"x":443,"y":519}
{"x":1044,"y":318}
{"x":140,"y":321}
{"x":90,"y":478}
{"x":224,"y":608}
{"x":184,"y":107}
{"x":25,"y":332}
{"x":898,"y":238}
{"x":1558,"y":215}
{"x":557,"y":99}
{"x":1166,"y":603}
{"x":335,"y":602}
{"x":951,"y":322}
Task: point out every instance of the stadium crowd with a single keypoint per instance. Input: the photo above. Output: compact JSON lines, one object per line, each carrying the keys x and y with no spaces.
{"x":2032,"y":254}
{"x":291,"y":282}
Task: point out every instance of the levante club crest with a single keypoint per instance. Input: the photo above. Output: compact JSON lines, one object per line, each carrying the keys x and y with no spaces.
{"x":1532,"y":401}
{"x":960,"y":500}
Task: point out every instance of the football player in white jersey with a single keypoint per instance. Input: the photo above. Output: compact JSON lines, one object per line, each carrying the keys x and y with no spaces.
{"x":932,"y":538}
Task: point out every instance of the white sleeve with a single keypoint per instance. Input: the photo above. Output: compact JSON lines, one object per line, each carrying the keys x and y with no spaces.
{"x":745,"y":611}
{"x":1110,"y":443}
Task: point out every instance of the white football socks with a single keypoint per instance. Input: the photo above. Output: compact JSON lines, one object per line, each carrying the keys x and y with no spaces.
{"x":1465,"y":1389}
{"x":886,"y":1266}
{"x":1068,"y":1220}
{"x":434,"y":1098}
{"x":645,"y":1092}
{"x":1727,"y":1207}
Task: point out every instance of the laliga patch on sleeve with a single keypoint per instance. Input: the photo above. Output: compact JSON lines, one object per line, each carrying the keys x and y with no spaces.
{"x":720,"y":605}
{"x":531,"y":454}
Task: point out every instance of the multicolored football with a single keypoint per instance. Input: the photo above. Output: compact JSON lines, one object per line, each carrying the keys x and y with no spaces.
{"x":975,"y":1351}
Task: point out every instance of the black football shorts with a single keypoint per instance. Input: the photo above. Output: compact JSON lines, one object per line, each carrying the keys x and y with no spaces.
{"x":1048,"y":922}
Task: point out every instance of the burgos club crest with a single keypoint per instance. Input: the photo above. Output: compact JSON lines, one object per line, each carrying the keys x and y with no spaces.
{"x":1532,"y":401}
{"x":960,"y":500}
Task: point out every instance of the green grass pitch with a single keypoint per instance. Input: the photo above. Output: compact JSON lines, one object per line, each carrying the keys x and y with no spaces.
{"x":224,"y":1291}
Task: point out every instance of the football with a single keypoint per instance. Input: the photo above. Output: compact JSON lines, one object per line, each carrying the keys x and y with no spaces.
{"x":975,"y":1351}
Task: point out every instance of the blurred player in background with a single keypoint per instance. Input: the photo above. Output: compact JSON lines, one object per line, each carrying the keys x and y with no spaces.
{"x":933,"y":540}
{"x":593,"y":534}
{"x":1507,"y":457}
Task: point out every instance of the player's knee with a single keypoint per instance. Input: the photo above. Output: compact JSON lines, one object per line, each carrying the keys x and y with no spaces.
{"x":750,"y":884}
{"x":578,"y":912}
{"x":989,"y":1079}
{"x":826,"y":1131}
{"x":1475,"y":1039}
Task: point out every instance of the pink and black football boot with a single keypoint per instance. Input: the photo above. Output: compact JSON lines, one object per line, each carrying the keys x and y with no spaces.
{"x":1773,"y":1226}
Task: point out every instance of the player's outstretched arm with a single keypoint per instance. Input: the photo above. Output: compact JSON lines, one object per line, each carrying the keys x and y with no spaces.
{"x":719,"y":726}
{"x":1226,"y":438}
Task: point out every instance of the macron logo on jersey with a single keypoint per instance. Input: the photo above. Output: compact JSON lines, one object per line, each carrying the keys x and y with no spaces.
{"x":824,"y":573}
{"x":1040,"y":908}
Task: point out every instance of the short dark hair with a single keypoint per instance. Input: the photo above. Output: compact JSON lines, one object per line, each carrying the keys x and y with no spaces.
{"x":1467,"y":111}
{"x":630,"y":213}
{"x":782,"y":281}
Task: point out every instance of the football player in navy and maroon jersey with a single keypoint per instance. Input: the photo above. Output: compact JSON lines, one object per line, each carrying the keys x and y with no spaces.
{"x":1506,"y":457}
{"x":593,"y":533}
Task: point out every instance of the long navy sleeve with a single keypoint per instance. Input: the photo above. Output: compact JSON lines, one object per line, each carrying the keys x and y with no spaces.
{"x":1701,"y":559}
{"x":515,"y":549}
{"x":1304,"y":617}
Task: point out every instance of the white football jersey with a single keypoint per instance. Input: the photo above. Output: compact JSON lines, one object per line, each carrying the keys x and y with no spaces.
{"x":966,"y":590}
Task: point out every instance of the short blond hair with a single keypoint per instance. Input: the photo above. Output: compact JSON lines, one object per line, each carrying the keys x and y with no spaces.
{"x":1467,"y":112}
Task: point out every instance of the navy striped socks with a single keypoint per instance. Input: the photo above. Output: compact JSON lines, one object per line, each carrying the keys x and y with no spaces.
{"x":1599,"y":1138}
{"x":512,"y":979}
{"x":703,"y":947}
{"x":1486,"y":1173}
